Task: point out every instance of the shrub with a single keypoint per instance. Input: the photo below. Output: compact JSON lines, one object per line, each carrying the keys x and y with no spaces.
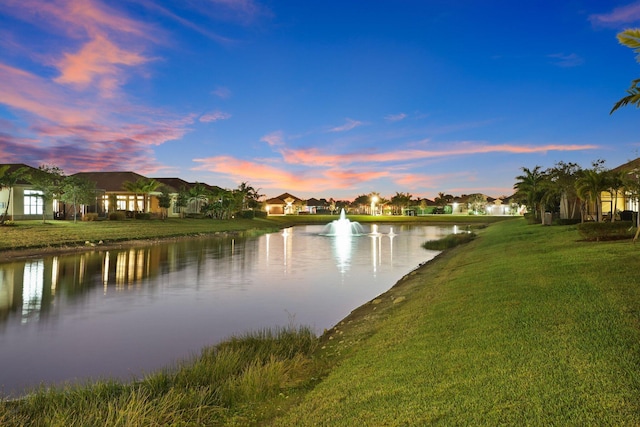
{"x":92,"y":216}
{"x":117,"y":216}
{"x":9,"y":223}
{"x":142,"y":215}
{"x":450,"y":241}
{"x":606,"y":230}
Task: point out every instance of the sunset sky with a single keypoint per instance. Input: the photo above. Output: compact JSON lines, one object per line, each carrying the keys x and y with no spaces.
{"x":318,"y":98}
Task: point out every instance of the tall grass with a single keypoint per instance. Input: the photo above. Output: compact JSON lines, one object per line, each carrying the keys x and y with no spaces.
{"x":234,"y":382}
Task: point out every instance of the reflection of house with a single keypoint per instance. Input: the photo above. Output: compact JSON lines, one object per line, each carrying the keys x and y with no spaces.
{"x":22,"y":201}
{"x":285,"y":204}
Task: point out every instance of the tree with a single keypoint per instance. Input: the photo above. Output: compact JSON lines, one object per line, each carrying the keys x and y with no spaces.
{"x":529,"y":189}
{"x":47,"y":180}
{"x":631,"y":39}
{"x":614,"y":182}
{"x":142,"y":186}
{"x":249,"y":196}
{"x":361,"y":202}
{"x":443,"y":200}
{"x":198,"y":195}
{"x":77,"y":191}
{"x":560,"y":186}
{"x":400,"y":201}
{"x":477,"y":203}
{"x":164,"y":201}
{"x":589,"y":185}
{"x":182,"y":200}
{"x":135,"y":187}
{"x":8,"y":180}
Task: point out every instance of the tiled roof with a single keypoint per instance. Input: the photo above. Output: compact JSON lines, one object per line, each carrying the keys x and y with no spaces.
{"x":110,"y":181}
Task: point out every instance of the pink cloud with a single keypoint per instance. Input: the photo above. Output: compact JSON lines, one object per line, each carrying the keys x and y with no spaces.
{"x":214,"y":116}
{"x":620,"y":15}
{"x":267,"y":176}
{"x":222,"y":92}
{"x":274,"y":139}
{"x":315,"y":156}
{"x":97,"y":62}
{"x":350,"y":124}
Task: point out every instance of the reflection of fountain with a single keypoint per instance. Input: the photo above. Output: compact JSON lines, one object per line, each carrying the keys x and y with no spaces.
{"x":342,"y":227}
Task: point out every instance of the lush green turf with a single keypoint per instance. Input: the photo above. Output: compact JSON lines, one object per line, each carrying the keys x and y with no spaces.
{"x":523,"y":326}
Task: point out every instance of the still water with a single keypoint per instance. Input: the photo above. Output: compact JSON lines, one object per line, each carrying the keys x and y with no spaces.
{"x":121,"y":313}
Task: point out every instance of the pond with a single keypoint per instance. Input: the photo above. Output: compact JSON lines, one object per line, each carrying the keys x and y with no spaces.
{"x":123,"y":313}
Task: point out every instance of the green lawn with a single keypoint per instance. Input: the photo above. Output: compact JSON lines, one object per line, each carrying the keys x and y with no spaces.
{"x":524,"y":325}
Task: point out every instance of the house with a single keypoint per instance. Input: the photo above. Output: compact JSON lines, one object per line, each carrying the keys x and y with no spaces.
{"x":19,"y":200}
{"x":315,"y":206}
{"x":620,"y":202}
{"x":285,"y":204}
{"x":111,"y":195}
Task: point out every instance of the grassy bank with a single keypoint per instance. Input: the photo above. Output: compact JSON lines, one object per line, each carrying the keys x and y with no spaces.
{"x":234,"y":383}
{"x":524,"y":325}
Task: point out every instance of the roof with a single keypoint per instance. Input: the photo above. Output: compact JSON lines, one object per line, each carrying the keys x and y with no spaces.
{"x":281,"y":199}
{"x":628,"y":167}
{"x":175,"y":184}
{"x":110,"y":181}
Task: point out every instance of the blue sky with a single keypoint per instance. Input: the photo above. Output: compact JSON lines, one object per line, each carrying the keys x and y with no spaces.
{"x":318,"y":98}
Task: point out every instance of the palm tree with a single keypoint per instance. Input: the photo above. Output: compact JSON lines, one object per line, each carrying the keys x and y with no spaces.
{"x":631,"y":39}
{"x":589,"y":186}
{"x":529,"y":188}
{"x":198,"y":195}
{"x":142,"y":186}
{"x":134,"y":187}
{"x":614,"y":182}
{"x":147,"y":187}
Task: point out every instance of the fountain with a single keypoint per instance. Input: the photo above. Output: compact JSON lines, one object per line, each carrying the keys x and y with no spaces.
{"x":343,"y":227}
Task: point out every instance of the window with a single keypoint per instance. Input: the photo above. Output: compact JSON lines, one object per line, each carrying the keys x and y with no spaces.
{"x":33,"y":202}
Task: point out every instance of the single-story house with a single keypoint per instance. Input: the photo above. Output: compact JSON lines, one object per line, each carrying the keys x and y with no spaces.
{"x":285,"y":204}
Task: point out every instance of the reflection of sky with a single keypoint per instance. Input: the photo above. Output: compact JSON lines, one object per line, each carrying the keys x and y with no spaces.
{"x":116,"y":313}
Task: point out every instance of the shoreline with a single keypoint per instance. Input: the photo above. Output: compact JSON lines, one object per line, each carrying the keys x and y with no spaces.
{"x":11,"y":255}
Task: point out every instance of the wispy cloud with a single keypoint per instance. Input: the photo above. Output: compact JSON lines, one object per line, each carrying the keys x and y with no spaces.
{"x":214,"y":116}
{"x":570,"y":60}
{"x":274,"y":139}
{"x":222,"y":92}
{"x":395,"y":117}
{"x":349,"y":125}
{"x":620,"y":15}
{"x":316,"y":156}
